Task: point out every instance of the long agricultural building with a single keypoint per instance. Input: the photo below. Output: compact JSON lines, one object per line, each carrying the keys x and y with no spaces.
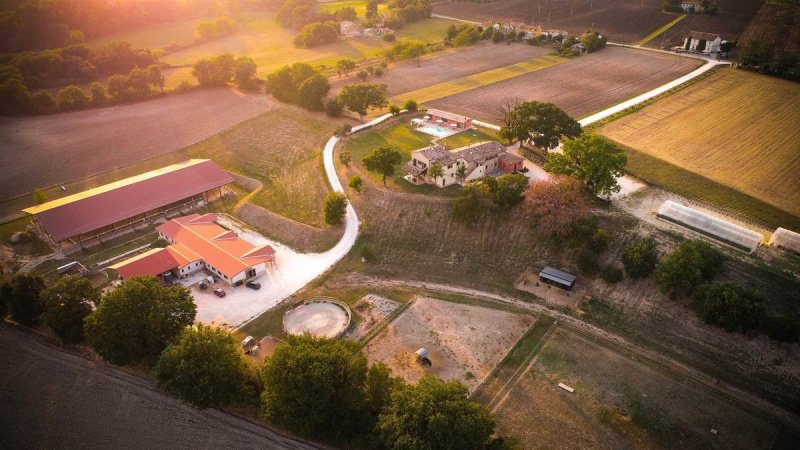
{"x":95,"y":213}
{"x":715,"y":228}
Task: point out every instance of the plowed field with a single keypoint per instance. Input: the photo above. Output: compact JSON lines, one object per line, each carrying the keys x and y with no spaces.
{"x":582,"y":86}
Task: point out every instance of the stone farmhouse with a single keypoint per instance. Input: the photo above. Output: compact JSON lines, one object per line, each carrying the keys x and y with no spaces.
{"x":702,"y":42}
{"x":691,"y":5}
{"x":348,"y":29}
{"x":479,"y":160}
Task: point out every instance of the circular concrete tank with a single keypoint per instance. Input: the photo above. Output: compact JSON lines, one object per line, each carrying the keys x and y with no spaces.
{"x":320,"y":317}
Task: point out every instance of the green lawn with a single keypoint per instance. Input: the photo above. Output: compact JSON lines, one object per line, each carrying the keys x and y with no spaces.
{"x":155,"y":36}
{"x":400,"y":136}
{"x":271,"y":46}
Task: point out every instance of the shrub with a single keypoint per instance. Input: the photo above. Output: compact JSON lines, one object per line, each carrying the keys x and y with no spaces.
{"x":729,"y":306}
{"x":368,"y":252}
{"x":588,"y":262}
{"x":23,"y":297}
{"x":389,"y":37}
{"x":362,"y":75}
{"x":43,"y":103}
{"x":783,"y":329}
{"x":66,"y":304}
{"x":355,"y":183}
{"x":640,"y":258}
{"x":394,"y":110}
{"x":410,"y":105}
{"x":333,"y":108}
{"x":378,"y":72}
{"x":598,"y":243}
{"x":71,"y":98}
{"x":335,"y":206}
{"x":612,"y":274}
{"x":344,"y":158}
{"x":690,"y":264}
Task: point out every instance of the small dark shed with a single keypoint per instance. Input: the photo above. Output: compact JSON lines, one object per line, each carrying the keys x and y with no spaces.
{"x":557,"y":278}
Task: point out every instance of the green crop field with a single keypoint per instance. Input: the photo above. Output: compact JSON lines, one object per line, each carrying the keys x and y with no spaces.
{"x":458,"y":85}
{"x":736,"y":128}
{"x":359,"y":5}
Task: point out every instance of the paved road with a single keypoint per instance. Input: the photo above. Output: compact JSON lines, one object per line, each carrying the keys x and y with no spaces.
{"x":52,"y":399}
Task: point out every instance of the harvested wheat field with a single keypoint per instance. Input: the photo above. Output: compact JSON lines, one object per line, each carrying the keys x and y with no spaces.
{"x":621,"y":20}
{"x":405,"y":76}
{"x":736,"y":128}
{"x":465,"y":342}
{"x":40,"y":151}
{"x":620,"y":402}
{"x":582,"y":86}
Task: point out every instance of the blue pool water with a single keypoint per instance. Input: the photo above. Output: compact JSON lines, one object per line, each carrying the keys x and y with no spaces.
{"x":434,"y":131}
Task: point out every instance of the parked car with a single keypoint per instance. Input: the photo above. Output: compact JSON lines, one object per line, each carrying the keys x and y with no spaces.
{"x":253,"y":285}
{"x":219,"y":292}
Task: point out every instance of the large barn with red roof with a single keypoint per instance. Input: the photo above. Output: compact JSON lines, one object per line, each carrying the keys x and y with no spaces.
{"x":107,"y":209}
{"x":197,"y":242}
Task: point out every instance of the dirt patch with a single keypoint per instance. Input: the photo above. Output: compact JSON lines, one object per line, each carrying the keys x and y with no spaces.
{"x":611,"y":388}
{"x":620,"y":20}
{"x":406,"y":76}
{"x":587,"y":84}
{"x":45,"y":150}
{"x":552,"y":296}
{"x":464,"y":342}
{"x":372,"y":309}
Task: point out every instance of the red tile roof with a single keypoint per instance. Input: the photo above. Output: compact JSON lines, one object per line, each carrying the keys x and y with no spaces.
{"x":215,"y":245}
{"x":152,"y":262}
{"x":105,"y":205}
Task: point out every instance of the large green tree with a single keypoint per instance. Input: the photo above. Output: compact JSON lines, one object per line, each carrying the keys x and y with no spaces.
{"x":360,"y":98}
{"x":314,"y":387}
{"x":216,"y":71}
{"x":136,"y":321}
{"x":595,"y":161}
{"x":312,"y":92}
{"x":244,"y":73}
{"x":689,"y":265}
{"x":382,"y":161}
{"x":728,"y":305}
{"x":543,"y":123}
{"x":510,"y":190}
{"x":66,"y":305}
{"x":23,"y":297}
{"x":204,"y":368}
{"x":435,"y":414}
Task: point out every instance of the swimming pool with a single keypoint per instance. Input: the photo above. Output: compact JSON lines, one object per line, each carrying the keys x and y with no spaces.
{"x":435,"y":131}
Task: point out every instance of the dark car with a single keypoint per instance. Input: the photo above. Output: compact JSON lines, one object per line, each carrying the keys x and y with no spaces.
{"x":219,"y":292}
{"x":253,"y":285}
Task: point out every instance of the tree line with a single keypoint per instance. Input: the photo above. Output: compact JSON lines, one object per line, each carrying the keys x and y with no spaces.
{"x":314,"y":387}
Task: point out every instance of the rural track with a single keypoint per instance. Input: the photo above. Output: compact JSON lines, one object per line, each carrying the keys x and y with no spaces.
{"x":743,"y":399}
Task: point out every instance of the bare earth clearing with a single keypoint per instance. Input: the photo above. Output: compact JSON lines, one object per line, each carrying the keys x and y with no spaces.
{"x":583,"y":86}
{"x":41,"y":151}
{"x":372,"y":309}
{"x":621,"y":20}
{"x":465,"y":342}
{"x":619,"y":402}
{"x":406,"y":76}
